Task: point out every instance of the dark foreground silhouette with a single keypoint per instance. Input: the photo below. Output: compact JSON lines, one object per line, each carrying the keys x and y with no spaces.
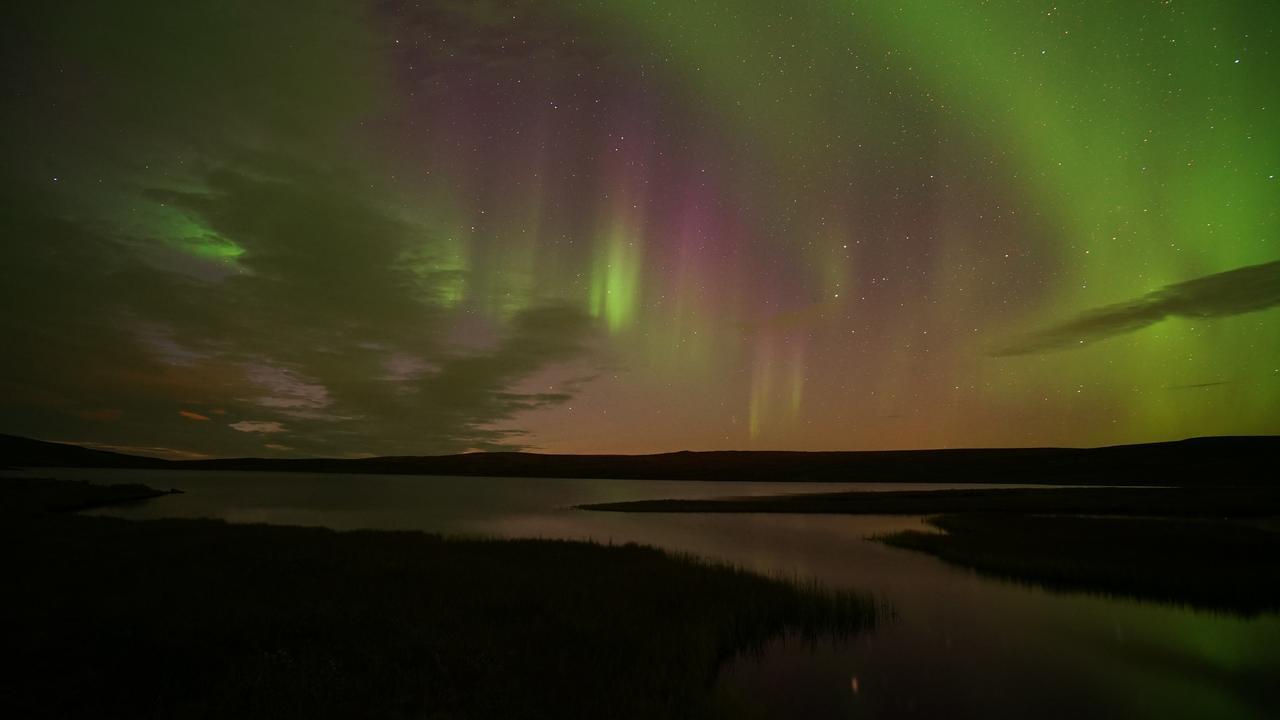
{"x":1248,"y":501}
{"x":112,"y":618}
{"x":1198,"y":461}
{"x":1216,"y":548}
{"x":24,"y":496}
{"x":1223,"y":565}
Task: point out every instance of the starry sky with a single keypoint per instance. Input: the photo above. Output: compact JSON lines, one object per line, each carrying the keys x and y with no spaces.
{"x":346,"y":228}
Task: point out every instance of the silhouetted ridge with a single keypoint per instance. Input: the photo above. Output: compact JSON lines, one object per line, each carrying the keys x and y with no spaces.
{"x":1211,"y":460}
{"x":24,"y":452}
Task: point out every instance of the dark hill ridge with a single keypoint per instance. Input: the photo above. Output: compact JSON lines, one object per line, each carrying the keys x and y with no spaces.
{"x":1244,"y":460}
{"x":24,"y":452}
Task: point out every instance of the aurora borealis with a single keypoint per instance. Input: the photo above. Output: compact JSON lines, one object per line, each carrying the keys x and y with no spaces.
{"x":339,"y":228}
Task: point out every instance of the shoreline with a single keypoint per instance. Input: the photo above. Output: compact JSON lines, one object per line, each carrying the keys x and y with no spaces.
{"x":1248,"y":501}
{"x":1210,"y":548}
{"x":119,"y":617}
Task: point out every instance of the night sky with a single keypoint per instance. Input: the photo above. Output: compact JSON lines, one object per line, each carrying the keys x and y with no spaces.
{"x":235,"y":227}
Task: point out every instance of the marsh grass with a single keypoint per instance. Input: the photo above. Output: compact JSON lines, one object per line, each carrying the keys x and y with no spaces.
{"x":1207,"y":547}
{"x":190,"y":618}
{"x":41,"y":495}
{"x":1240,"y":501}
{"x":1224,"y":565}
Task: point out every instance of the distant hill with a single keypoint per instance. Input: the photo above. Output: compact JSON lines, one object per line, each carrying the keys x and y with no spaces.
{"x":24,"y":452}
{"x":1198,"y":461}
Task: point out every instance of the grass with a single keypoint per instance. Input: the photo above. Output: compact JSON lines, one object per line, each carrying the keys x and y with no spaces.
{"x":40,"y":495}
{"x":1215,"y":548}
{"x":1249,"y":501}
{"x":1225,"y":565}
{"x":181,"y":618}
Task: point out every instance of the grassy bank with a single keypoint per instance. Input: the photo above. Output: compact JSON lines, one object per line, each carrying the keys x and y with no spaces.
{"x":41,"y":495}
{"x":1232,"y":566}
{"x":1215,"y":548}
{"x":107,"y":617}
{"x":1169,"y":502}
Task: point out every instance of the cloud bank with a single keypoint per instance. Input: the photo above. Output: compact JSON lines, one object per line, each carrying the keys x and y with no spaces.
{"x":1243,"y":290}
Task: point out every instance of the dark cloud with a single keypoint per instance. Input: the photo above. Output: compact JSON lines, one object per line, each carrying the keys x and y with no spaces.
{"x":215,"y":243}
{"x":1197,"y":386}
{"x":1243,"y":290}
{"x":460,"y":405}
{"x":166,"y":453}
{"x":323,"y":337}
{"x":258,"y":426}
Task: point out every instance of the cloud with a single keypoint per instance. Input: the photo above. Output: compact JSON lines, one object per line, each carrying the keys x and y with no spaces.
{"x":350,"y":341}
{"x":401,"y":367}
{"x":165,"y":453}
{"x":1243,"y":290}
{"x":459,"y":404}
{"x":337,"y":307}
{"x":1197,"y":386}
{"x":257,"y":426}
{"x":287,"y":391}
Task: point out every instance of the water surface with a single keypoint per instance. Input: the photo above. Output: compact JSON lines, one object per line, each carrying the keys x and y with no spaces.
{"x":961,"y":645}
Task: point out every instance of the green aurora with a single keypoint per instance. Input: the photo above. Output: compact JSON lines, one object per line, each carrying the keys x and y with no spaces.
{"x":343,"y":228}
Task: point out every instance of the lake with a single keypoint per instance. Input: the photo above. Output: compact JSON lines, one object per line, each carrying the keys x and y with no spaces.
{"x":959,"y":645}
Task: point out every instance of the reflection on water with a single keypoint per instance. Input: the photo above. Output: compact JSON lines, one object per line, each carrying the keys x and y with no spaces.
{"x":961,"y":646}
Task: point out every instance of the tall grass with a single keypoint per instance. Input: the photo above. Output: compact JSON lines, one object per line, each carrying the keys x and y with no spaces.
{"x":108,"y":617}
{"x":1231,"y":566}
{"x":40,"y":495}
